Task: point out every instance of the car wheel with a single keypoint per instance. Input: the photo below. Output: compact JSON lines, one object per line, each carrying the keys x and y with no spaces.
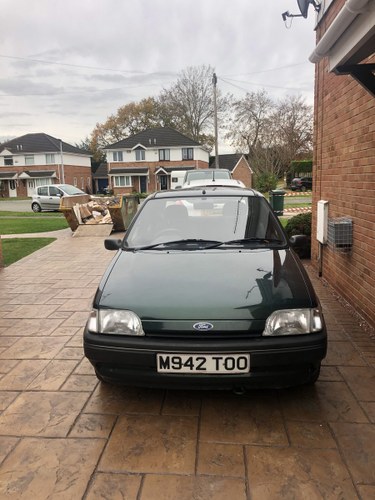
{"x":36,"y":207}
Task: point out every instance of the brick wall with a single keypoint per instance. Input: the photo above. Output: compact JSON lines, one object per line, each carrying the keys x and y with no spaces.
{"x":153,"y":185}
{"x":344,"y":174}
{"x":243,"y":173}
{"x":81,"y":174}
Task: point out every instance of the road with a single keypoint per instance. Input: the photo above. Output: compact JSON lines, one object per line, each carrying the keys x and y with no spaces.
{"x":15,"y":206}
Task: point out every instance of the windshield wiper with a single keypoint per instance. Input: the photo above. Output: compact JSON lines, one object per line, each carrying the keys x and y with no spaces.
{"x":185,"y":241}
{"x":244,"y":241}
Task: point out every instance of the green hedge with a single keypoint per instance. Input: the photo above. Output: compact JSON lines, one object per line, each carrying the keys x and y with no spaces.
{"x":301,"y":166}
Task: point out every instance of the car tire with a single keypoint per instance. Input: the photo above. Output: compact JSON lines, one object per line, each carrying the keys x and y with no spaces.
{"x":36,"y":207}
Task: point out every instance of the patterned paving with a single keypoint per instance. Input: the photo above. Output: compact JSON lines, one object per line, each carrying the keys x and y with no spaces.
{"x":64,"y":435}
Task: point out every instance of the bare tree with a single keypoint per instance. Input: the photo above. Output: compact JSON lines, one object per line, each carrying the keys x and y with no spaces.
{"x":293,"y":128}
{"x":190,"y":103}
{"x":272,"y":133}
{"x":186,"y":106}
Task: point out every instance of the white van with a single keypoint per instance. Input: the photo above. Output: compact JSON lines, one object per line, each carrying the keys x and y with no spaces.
{"x":177,"y":178}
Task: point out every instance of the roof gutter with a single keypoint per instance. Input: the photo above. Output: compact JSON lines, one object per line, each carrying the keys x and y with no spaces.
{"x":350,"y":10}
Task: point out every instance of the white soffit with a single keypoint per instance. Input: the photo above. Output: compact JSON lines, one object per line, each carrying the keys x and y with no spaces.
{"x":351,"y":30}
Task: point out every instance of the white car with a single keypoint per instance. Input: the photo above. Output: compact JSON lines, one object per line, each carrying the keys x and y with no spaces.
{"x":204,"y":175}
{"x":48,"y":197}
{"x":213,"y":183}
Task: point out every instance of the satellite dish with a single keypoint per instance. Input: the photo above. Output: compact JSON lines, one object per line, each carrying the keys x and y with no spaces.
{"x":304,"y":6}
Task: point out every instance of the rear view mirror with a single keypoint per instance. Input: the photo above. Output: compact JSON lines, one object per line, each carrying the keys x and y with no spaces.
{"x":112,"y":244}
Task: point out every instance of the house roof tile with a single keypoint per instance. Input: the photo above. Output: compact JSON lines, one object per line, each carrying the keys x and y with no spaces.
{"x":39,"y":143}
{"x":228,"y":161}
{"x":154,"y":137}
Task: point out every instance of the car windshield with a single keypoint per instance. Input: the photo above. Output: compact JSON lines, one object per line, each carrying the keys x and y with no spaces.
{"x":209,"y":222}
{"x":70,"y":190}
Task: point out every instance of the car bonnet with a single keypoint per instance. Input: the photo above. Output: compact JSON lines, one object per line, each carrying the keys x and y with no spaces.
{"x":216,"y":285}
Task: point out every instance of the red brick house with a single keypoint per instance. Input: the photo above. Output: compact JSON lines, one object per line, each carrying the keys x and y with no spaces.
{"x":344,"y":151}
{"x":143,"y":162}
{"x":238,"y":165}
{"x":33,"y":160}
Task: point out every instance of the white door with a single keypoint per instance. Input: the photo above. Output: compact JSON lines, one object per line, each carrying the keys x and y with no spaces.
{"x":12,"y":189}
{"x":31,"y":190}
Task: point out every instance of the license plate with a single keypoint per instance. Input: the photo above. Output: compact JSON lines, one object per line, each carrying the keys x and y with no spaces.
{"x":203,"y":363}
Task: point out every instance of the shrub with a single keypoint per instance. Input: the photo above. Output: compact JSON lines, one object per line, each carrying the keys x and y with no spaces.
{"x":265,"y":182}
{"x":301,"y":224}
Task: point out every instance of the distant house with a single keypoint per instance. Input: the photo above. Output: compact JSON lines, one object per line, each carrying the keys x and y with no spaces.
{"x":99,"y":177}
{"x":32,"y":160}
{"x":143,"y":162}
{"x":238,"y":165}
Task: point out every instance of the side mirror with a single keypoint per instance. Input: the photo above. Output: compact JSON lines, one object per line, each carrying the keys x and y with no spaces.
{"x":301,"y":244}
{"x":298,"y":240}
{"x":112,"y":244}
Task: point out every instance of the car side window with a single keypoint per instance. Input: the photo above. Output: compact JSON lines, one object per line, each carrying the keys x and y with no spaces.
{"x":54,"y":191}
{"x":43,"y":191}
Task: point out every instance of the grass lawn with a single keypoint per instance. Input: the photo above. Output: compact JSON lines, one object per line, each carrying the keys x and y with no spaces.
{"x":18,"y":225}
{"x":16,"y":248}
{"x":3,"y":213}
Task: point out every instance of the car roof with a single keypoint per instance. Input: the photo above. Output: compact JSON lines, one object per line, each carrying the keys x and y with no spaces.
{"x":194,"y":192}
{"x":211,"y":182}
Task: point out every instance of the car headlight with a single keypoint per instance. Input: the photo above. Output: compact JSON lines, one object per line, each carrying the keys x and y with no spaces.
{"x":293,"y":322}
{"x":115,"y":322}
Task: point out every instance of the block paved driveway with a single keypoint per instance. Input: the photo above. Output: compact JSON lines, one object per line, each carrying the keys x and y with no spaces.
{"x":63,"y":435}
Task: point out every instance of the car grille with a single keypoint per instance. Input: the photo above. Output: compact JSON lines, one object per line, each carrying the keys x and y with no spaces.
{"x":197,"y":336}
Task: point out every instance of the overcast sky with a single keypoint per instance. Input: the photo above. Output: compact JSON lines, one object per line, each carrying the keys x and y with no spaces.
{"x":66,"y":65}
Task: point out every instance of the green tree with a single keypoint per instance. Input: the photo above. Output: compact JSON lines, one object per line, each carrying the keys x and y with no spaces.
{"x":129,"y":120}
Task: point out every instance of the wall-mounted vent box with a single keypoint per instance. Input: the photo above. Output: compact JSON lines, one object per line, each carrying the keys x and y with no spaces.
{"x":340,"y":234}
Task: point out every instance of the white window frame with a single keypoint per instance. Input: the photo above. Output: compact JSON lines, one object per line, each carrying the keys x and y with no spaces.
{"x":8,"y":160}
{"x":75,"y":181}
{"x":122,"y":181}
{"x":188,"y":153}
{"x":29,"y":160}
{"x":164,"y":154}
{"x":140,"y":153}
{"x":41,"y":181}
{"x":117,"y":156}
{"x":50,"y":158}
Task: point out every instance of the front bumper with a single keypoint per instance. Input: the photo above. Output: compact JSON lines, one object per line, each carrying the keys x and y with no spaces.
{"x":274,"y":362}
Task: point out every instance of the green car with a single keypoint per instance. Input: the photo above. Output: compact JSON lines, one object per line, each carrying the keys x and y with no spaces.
{"x":205,"y":292}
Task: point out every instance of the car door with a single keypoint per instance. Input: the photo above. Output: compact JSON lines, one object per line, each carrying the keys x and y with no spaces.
{"x":42,"y":196}
{"x":54,"y":198}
